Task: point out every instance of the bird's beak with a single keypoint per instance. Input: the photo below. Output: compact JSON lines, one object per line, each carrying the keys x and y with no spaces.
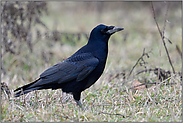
{"x":113,"y":30}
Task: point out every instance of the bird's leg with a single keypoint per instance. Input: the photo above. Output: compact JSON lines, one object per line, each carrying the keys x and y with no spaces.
{"x":77,"y":96}
{"x":79,"y":103}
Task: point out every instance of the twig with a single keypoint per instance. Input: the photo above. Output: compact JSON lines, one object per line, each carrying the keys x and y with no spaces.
{"x":150,"y":84}
{"x":162,"y":33}
{"x":161,"y":73}
{"x":113,"y":114}
{"x":141,"y":58}
{"x":158,"y":83}
{"x":162,"y":36}
{"x":168,"y":40}
{"x":146,"y":70}
{"x":179,"y":51}
{"x":117,"y":75}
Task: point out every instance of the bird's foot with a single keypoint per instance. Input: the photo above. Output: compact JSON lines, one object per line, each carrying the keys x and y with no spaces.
{"x":80,"y":105}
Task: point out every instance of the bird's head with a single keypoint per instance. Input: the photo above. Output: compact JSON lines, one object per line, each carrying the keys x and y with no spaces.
{"x":103,"y":32}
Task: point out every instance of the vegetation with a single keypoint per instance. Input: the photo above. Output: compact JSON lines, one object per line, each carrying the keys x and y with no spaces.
{"x":135,"y":57}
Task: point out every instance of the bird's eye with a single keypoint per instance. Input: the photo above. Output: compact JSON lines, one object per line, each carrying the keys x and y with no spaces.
{"x":103,"y":31}
{"x":110,"y":27}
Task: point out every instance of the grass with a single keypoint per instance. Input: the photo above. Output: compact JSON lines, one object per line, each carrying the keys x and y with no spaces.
{"x":105,"y":101}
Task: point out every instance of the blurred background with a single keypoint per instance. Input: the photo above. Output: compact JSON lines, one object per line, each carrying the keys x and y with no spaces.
{"x":37,"y":35}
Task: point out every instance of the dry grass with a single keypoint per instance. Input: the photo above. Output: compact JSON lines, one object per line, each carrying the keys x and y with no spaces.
{"x":105,"y":100}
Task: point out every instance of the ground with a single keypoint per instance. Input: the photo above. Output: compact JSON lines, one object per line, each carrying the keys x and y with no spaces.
{"x":110,"y":98}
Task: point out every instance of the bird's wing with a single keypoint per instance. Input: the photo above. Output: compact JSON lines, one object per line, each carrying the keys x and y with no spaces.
{"x":76,"y":67}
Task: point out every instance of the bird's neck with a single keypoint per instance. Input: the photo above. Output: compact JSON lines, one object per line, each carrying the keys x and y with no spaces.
{"x":99,"y":49}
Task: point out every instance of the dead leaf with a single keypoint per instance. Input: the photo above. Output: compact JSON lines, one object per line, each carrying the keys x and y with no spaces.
{"x":136,"y":85}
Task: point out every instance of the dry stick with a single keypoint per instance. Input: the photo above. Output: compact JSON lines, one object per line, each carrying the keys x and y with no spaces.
{"x":138,"y":61}
{"x":113,"y":114}
{"x":115,"y":76}
{"x":162,"y":34}
{"x":162,"y":37}
{"x":150,"y":84}
{"x":163,"y":73}
{"x":146,"y":70}
{"x":179,"y":51}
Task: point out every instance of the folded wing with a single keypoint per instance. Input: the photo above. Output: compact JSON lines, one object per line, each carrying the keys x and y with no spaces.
{"x":77,"y":68}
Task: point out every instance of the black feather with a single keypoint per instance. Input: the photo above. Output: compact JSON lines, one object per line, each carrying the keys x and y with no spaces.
{"x":79,"y":71}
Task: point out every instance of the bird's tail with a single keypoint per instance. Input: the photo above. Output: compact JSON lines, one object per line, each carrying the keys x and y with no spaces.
{"x":26,"y":89}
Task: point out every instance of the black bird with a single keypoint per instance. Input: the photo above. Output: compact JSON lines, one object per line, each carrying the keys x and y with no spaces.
{"x":79,"y":71}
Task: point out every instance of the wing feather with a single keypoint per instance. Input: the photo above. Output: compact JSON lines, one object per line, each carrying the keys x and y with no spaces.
{"x":76,"y":67}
